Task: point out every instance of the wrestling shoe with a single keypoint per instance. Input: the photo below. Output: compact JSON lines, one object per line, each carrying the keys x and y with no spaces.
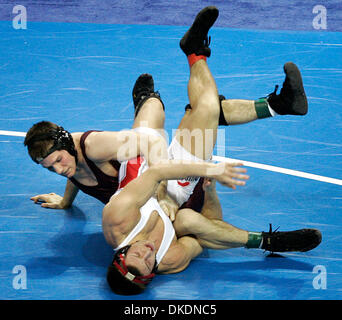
{"x":196,"y":38}
{"x":298,"y":240}
{"x":292,"y":98}
{"x":144,"y":89}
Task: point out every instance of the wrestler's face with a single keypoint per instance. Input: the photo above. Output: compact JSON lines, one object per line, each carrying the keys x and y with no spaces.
{"x":142,"y":256}
{"x":61,"y":162}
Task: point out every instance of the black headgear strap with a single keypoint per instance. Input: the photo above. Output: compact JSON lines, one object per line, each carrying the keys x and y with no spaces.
{"x":62,"y":140}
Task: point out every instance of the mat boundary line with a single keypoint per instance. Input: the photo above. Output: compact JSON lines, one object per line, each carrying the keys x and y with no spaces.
{"x":266,"y":167}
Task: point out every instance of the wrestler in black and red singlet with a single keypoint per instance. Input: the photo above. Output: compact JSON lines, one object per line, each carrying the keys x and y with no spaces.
{"x":107,"y":185}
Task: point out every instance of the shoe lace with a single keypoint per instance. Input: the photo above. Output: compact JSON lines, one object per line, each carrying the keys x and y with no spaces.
{"x":207,"y":41}
{"x":271,"y":232}
{"x":274,"y":92}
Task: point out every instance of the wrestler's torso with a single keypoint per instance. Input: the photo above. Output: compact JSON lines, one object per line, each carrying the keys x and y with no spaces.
{"x":83,"y":173}
{"x":98,"y":179}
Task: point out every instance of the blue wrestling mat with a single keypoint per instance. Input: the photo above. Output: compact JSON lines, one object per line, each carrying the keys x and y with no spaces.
{"x":76,"y":66}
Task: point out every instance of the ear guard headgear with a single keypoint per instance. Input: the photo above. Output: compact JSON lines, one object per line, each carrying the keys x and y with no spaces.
{"x":120,"y":265}
{"x":62,"y":140}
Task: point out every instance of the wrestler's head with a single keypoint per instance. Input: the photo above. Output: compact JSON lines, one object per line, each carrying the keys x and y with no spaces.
{"x":52,"y":147}
{"x":132,"y":268}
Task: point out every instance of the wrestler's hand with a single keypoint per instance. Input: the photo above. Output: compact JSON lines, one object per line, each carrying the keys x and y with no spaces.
{"x":209,"y":185}
{"x":50,"y":200}
{"x":170,"y":207}
{"x":230,"y":174}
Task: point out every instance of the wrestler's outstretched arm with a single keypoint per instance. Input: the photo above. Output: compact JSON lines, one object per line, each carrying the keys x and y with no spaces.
{"x":125,"y":145}
{"x":138,"y":191}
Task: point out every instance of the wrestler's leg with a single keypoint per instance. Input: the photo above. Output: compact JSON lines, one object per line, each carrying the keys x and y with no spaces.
{"x":217,"y":234}
{"x":237,"y":111}
{"x":211,"y":233}
{"x":196,"y":135}
{"x":290,"y":101}
{"x":197,"y":131}
{"x":151,"y":115}
{"x":211,"y":204}
{"x":201,"y":121}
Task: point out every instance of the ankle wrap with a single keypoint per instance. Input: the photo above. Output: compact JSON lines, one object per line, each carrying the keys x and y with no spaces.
{"x":193,"y":58}
{"x":254,"y":240}
{"x":261,"y":108}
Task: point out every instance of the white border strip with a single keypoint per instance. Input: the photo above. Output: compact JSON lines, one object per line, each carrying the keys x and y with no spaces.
{"x":245,"y":163}
{"x":281,"y":170}
{"x":12,"y":133}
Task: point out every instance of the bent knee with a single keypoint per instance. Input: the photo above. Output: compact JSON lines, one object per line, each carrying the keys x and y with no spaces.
{"x":210,"y":102}
{"x":185,"y":221}
{"x":208,"y":110}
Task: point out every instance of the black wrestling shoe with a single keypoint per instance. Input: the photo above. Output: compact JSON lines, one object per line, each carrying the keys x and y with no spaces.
{"x":142,"y":90}
{"x":298,"y":240}
{"x":292,"y":98}
{"x":196,"y":39}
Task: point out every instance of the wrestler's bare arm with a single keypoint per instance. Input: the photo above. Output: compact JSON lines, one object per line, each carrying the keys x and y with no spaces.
{"x":138,"y":191}
{"x":124,"y":145}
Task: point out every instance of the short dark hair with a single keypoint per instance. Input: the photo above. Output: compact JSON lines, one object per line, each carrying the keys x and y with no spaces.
{"x":41,"y":134}
{"x":120,"y":284}
{"x":39,"y":149}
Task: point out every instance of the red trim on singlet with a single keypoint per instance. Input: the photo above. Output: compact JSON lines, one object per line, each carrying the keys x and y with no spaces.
{"x":132,"y":171}
{"x":183,"y":184}
{"x":196,"y":200}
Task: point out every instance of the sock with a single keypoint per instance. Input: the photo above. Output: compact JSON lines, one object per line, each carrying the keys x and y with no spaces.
{"x":192,"y":58}
{"x":254,"y":240}
{"x":263,"y":109}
